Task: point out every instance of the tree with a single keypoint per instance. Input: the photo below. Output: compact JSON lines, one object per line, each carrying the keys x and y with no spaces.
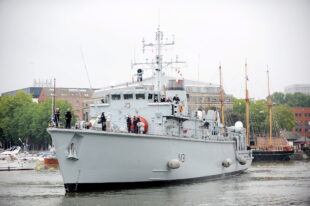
{"x":20,"y":118}
{"x":278,"y":98}
{"x":283,"y":117}
{"x":231,"y":117}
{"x":257,"y":115}
{"x":292,"y":100}
{"x":8,"y":105}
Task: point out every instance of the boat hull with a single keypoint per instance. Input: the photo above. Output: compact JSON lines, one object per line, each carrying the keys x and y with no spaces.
{"x":105,"y":160}
{"x":50,"y":162}
{"x":18,"y":165}
{"x":262,"y":155}
{"x":86,"y":187}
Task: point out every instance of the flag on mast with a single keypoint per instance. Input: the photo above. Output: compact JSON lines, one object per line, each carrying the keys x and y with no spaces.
{"x":179,"y":76}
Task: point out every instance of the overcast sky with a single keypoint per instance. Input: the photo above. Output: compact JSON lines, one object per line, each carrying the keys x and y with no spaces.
{"x":41,"y":39}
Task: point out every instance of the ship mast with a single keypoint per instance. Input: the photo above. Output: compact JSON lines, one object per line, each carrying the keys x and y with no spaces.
{"x":269,"y":104}
{"x":247,"y":125}
{"x":159,"y":63}
{"x":222,"y":98}
{"x":159,"y":58}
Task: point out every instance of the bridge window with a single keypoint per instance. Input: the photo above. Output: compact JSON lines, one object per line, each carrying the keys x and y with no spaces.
{"x":150,"y":96}
{"x":155,"y":97}
{"x":128,"y":96}
{"x":116,"y":96}
{"x":140,"y":96}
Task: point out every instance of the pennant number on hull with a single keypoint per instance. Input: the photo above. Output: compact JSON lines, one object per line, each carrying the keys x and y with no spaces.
{"x":181,"y":157}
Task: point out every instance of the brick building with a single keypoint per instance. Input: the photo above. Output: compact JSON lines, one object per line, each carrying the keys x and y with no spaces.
{"x":75,"y":96}
{"x":302,"y":123}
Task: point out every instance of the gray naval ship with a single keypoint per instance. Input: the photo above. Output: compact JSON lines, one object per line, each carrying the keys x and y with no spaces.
{"x":173,"y":145}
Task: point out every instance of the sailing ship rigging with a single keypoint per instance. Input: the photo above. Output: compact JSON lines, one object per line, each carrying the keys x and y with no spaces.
{"x":270,"y":152}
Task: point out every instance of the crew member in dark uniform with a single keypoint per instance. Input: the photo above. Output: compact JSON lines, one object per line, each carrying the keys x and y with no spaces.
{"x":176,"y":99}
{"x":103,"y":122}
{"x":68,"y":117}
{"x":135,"y":124}
{"x":163,"y":99}
{"x":128,"y":124}
{"x":57,"y":115}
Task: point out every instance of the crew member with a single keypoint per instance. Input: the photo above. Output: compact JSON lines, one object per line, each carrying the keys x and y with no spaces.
{"x":103,"y":122}
{"x":135,"y":124}
{"x":68,"y":117}
{"x":163,"y":99}
{"x":141,"y":127}
{"x":57,"y":115}
{"x":128,"y":124}
{"x":176,"y":99}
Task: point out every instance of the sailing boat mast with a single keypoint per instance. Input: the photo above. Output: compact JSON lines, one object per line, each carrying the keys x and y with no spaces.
{"x":269,"y":104}
{"x":247,"y":125}
{"x":222,"y":98}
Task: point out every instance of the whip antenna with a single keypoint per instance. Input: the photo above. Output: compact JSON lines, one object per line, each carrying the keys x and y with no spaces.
{"x":85,"y":67}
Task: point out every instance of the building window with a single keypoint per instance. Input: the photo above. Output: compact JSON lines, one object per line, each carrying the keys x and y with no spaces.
{"x":213,"y":100}
{"x":200,"y":99}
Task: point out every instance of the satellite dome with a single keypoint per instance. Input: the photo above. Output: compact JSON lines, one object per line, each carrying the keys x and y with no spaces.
{"x":239,"y":124}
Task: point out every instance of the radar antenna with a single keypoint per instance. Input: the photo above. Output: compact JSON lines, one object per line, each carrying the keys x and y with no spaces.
{"x":158,"y":65}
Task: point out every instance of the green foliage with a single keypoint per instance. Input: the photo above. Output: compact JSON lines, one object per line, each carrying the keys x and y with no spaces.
{"x":24,"y":119}
{"x":283,"y":117}
{"x":292,"y":100}
{"x":258,"y":115}
{"x":239,"y":107}
{"x":231,"y":117}
{"x":8,"y":105}
{"x":278,"y":98}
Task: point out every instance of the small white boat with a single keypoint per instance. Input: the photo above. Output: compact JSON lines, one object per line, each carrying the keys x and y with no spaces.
{"x":12,"y":160}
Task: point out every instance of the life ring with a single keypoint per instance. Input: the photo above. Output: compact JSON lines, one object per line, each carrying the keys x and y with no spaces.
{"x":146,"y":126}
{"x":181,"y":108}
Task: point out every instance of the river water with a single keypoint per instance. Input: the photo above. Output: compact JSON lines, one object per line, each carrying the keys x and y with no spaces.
{"x":263,"y":184}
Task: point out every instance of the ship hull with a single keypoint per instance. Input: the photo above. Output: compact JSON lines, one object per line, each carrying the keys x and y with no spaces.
{"x":87,"y":187}
{"x":265,"y":156}
{"x":104,"y":160}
